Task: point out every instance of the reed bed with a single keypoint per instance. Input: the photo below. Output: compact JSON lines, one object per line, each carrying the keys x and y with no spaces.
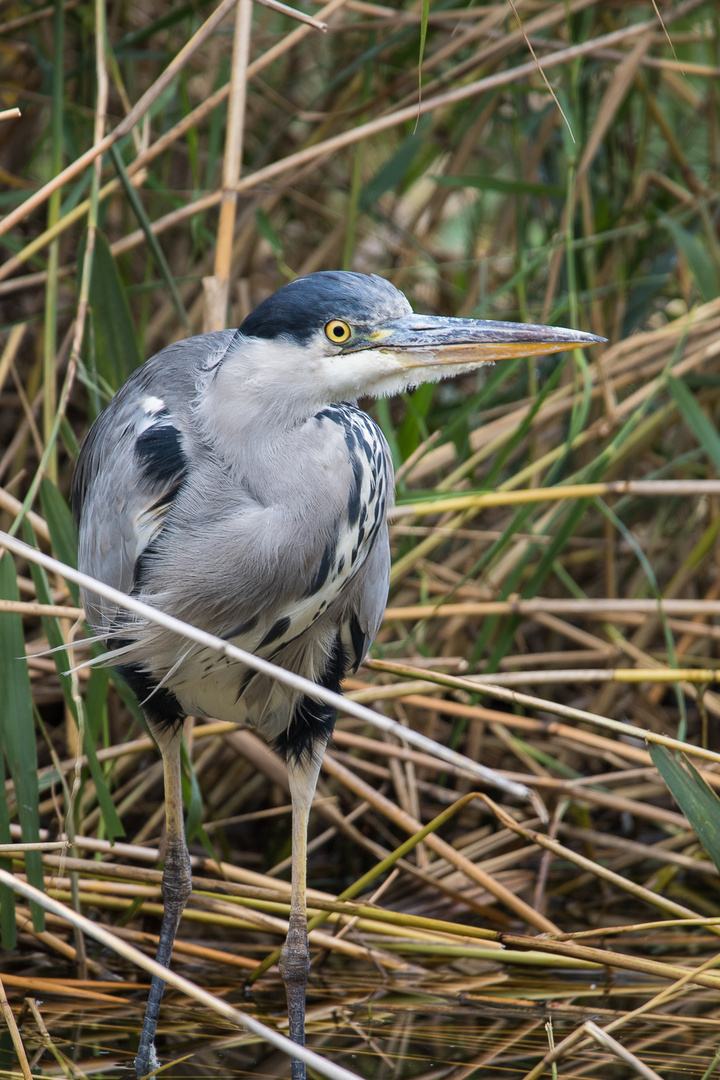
{"x":555,"y":598}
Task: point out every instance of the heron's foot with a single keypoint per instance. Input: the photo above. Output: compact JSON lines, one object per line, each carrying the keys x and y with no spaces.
{"x":146,"y":1060}
{"x":295,"y":968}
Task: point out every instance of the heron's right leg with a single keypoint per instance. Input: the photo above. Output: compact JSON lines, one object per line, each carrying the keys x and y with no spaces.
{"x":295,"y":957}
{"x":176,"y":888}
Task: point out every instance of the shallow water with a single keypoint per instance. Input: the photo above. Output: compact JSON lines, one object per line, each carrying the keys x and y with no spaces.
{"x":378,"y":1030}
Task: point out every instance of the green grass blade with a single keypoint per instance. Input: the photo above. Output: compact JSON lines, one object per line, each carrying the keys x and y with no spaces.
{"x":62,"y":528}
{"x":697,"y":257}
{"x":413,"y":429}
{"x":96,"y":727}
{"x":53,"y":214}
{"x":697,"y":421}
{"x":696,"y":799}
{"x":116,"y":347}
{"x":423,"y":35}
{"x":193,"y":800}
{"x":113,"y":825}
{"x":391,"y":174}
{"x":646,"y":565}
{"x":94,"y":708}
{"x":64,"y":540}
{"x":51,"y":625}
{"x":564,"y":525}
{"x":384,"y":419}
{"x":266,"y":230}
{"x":17,"y":729}
{"x":152,"y":240}
{"x":8,"y":924}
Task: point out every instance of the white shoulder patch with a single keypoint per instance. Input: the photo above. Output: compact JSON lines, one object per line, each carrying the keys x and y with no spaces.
{"x":152,"y":405}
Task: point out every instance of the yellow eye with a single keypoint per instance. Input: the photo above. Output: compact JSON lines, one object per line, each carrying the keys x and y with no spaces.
{"x":337,"y":331}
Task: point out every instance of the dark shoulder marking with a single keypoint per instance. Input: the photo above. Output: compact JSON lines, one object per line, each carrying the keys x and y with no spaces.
{"x":159,"y":452}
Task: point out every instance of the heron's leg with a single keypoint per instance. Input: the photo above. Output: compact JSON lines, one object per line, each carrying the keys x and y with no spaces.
{"x":295,"y":956}
{"x":176,"y":888}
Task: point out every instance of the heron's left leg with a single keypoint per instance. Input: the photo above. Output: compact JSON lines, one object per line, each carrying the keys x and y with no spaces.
{"x":295,"y":956}
{"x":176,"y":887}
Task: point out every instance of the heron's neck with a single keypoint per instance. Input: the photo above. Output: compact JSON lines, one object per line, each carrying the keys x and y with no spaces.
{"x":255,"y":401}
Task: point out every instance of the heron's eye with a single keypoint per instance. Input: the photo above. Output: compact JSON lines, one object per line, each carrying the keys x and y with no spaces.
{"x":338,"y":331}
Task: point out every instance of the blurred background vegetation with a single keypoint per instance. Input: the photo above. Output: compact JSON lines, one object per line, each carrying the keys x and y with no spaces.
{"x":172,"y":165}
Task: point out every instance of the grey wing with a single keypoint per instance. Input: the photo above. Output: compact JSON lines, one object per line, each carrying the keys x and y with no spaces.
{"x":131,"y":466}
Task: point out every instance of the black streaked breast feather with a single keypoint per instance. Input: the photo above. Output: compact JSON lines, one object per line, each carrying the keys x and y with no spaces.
{"x":280,"y":627}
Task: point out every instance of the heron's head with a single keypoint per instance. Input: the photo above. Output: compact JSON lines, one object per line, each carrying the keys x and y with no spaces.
{"x":338,"y":336}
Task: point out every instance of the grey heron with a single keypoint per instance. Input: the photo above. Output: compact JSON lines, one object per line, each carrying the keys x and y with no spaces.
{"x":233,"y":482}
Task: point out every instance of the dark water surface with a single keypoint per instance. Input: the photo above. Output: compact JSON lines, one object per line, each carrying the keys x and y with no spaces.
{"x":488,"y":1027}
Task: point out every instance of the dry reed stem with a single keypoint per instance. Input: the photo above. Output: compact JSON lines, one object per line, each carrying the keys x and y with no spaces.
{"x":136,"y":169}
{"x":126,"y":125}
{"x":405,"y":822}
{"x":170,"y":977}
{"x":217,"y":287}
{"x":546,"y":842}
{"x":374,"y":127}
{"x":479,"y":687}
{"x":12,"y":1027}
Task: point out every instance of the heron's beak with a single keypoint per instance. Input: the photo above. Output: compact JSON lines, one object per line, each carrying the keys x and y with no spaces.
{"x":429,"y":340}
